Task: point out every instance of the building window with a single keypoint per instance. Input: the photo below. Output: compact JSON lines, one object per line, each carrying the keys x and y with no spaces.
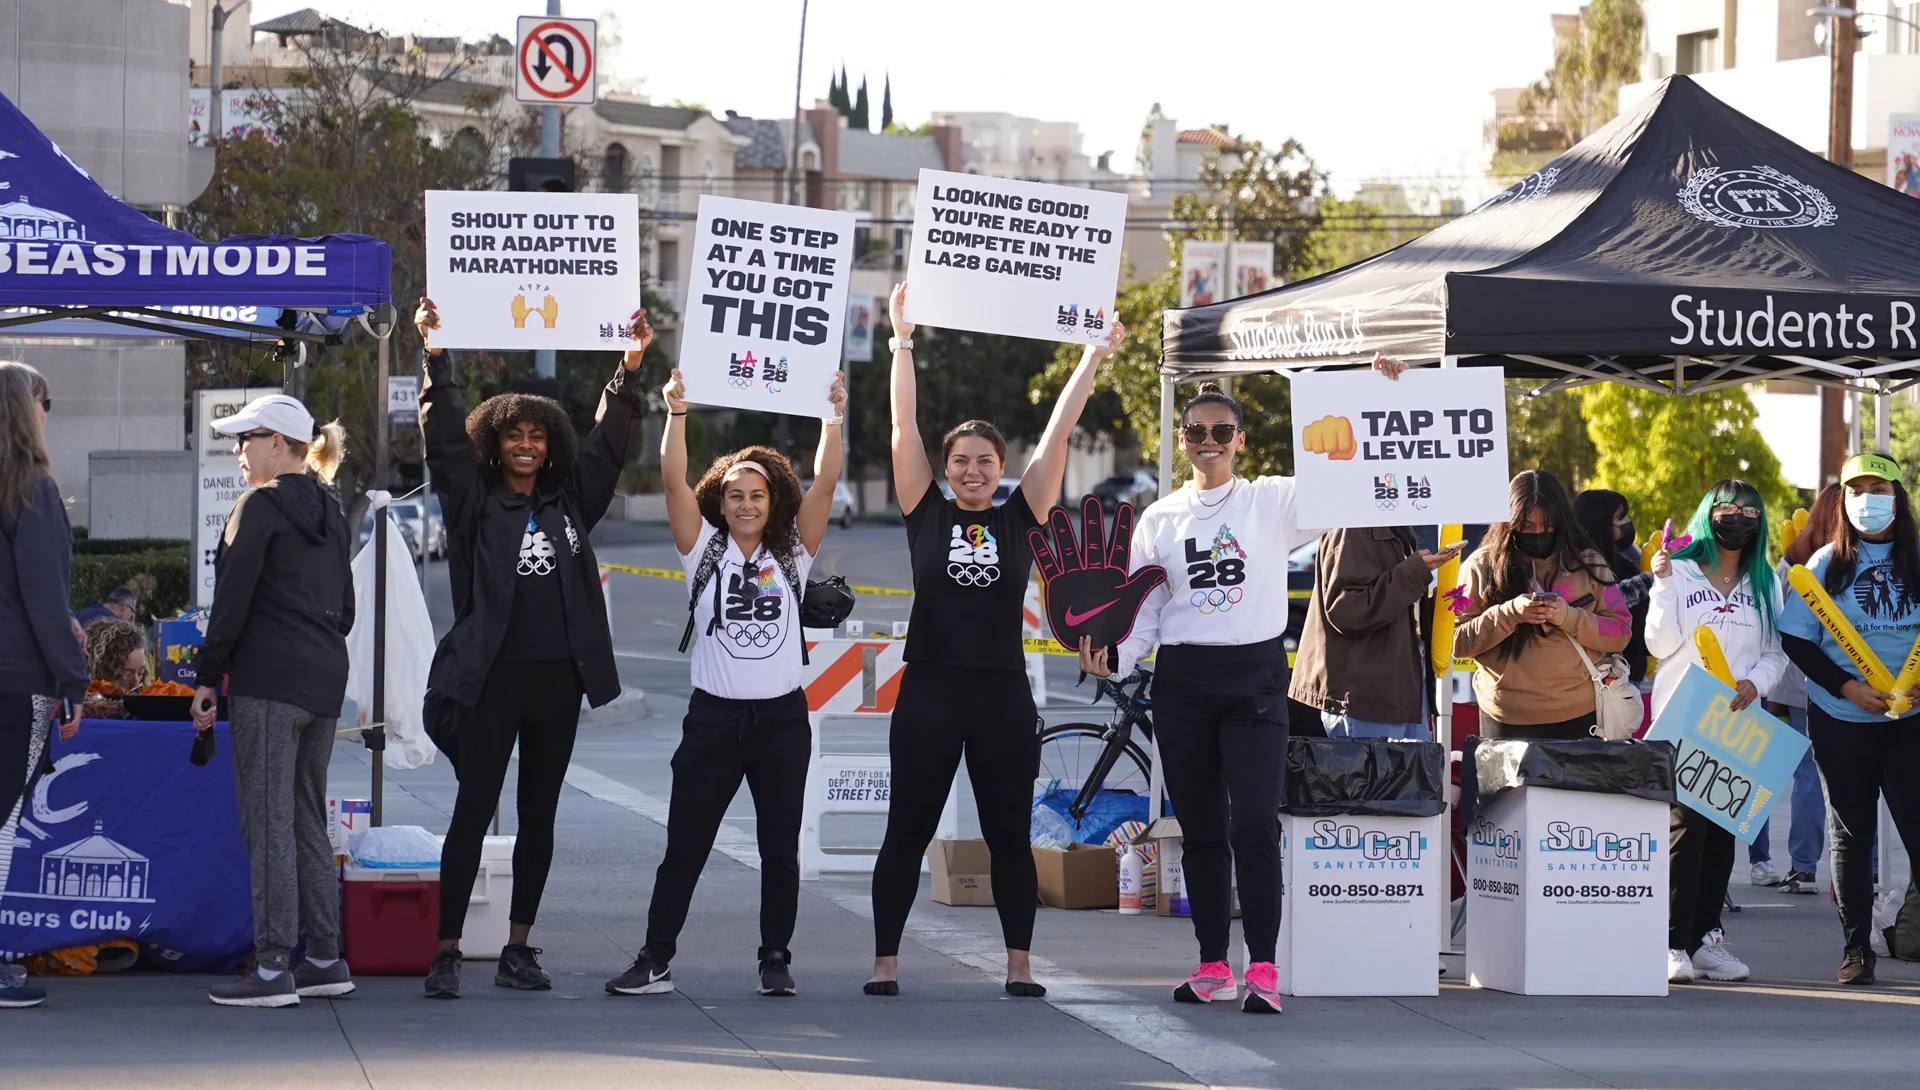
{"x":669,"y":261}
{"x":614,"y":169}
{"x":469,"y":147}
{"x":1696,"y":53}
{"x":706,"y":176}
{"x":855,"y":196}
{"x":644,"y":178}
{"x":670,"y":168}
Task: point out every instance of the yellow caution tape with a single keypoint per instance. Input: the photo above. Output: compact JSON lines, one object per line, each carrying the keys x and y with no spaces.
{"x":1711,"y":657}
{"x":669,"y":573}
{"x":1837,"y":626}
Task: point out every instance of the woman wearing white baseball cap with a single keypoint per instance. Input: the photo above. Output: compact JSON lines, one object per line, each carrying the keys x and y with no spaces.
{"x":277,"y":635}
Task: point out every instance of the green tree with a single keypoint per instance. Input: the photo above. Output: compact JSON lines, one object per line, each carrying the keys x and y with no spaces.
{"x":1548,"y":431}
{"x":857,"y":118}
{"x":1143,"y":153}
{"x":1354,"y":230}
{"x":837,"y":95}
{"x":886,"y":104}
{"x":1591,"y":64}
{"x":1663,"y":452}
{"x":1905,"y":431}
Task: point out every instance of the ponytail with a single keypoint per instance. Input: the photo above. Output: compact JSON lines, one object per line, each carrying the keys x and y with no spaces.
{"x":328,"y":449}
{"x":1211,"y":394}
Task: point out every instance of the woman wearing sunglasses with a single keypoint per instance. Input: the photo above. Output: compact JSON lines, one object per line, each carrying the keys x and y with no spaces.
{"x":1220,"y":686}
{"x":965,"y":686}
{"x":747,"y":537}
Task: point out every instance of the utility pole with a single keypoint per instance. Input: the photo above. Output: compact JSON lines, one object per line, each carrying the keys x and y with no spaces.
{"x":543,"y":365}
{"x":793,"y":146}
{"x":1841,"y":36}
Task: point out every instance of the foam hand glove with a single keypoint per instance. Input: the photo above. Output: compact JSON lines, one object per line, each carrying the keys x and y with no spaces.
{"x":1089,"y":591}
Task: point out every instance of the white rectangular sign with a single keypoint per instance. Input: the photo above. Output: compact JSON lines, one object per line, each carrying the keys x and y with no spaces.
{"x":1426,"y":450}
{"x":403,"y":399}
{"x":1202,"y":272}
{"x":217,"y":479}
{"x":766,"y":306}
{"x":533,"y":270}
{"x":997,"y":255}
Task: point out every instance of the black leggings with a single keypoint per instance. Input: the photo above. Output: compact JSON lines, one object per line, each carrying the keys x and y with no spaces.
{"x":1860,"y":762}
{"x":538,"y":705}
{"x":942,"y":711}
{"x":1220,"y":716}
{"x":1698,"y":870}
{"x":768,"y":743}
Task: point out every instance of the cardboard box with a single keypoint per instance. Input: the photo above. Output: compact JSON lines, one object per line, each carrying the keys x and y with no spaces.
{"x":1083,"y":876}
{"x":346,"y":817}
{"x":963,"y":874}
{"x":1170,"y":892}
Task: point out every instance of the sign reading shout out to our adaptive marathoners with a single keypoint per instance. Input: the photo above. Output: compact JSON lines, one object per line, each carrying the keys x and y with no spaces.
{"x":533,"y":270}
{"x":996,"y":255}
{"x":767,"y":306}
{"x":1426,"y":450}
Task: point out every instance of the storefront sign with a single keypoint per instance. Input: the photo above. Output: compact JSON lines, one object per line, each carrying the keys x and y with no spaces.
{"x":1731,"y":766}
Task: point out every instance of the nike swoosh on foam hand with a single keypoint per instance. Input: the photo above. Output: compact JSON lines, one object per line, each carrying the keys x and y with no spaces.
{"x":1081,"y":618}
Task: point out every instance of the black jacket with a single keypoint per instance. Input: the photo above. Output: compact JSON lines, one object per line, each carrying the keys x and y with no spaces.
{"x":38,"y":654}
{"x":282,"y":597}
{"x":485,"y":523}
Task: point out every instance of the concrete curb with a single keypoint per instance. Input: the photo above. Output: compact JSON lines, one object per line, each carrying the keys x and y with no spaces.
{"x":629,"y":707}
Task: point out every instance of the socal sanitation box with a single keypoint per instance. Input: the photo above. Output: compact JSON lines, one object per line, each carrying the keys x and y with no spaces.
{"x":1361,"y":905}
{"x":1567,"y":894}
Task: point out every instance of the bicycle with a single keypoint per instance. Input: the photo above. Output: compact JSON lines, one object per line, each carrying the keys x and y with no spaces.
{"x":1086,"y":756}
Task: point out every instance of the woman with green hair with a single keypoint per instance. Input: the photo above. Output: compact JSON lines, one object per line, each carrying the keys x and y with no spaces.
{"x":1720,"y":580}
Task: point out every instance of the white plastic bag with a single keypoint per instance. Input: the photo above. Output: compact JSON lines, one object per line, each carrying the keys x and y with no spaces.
{"x":1049,"y":830}
{"x":403,"y":847}
{"x":409,"y":646}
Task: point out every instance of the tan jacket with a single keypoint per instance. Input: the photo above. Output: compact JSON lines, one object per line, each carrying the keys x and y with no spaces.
{"x":1546,"y":682}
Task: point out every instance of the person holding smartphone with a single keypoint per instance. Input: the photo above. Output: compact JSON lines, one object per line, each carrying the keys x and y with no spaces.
{"x":1541,"y":604}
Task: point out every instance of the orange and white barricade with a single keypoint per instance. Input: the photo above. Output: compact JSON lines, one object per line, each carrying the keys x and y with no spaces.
{"x":851,"y":679}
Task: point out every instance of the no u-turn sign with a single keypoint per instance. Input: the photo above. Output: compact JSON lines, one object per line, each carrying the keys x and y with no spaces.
{"x":554,"y":61}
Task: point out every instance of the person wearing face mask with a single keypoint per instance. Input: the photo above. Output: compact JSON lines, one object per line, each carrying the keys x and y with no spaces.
{"x":1872,"y":571}
{"x":1607,"y":521}
{"x":1538,"y":599}
{"x":521,"y":494}
{"x":965,"y":686}
{"x":1720,"y":581}
{"x":747,"y":531}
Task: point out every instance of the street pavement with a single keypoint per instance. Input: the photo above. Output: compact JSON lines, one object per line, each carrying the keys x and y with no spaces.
{"x":1107,"y":1021}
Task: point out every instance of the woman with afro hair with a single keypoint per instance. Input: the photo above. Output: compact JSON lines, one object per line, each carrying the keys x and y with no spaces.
{"x":521,"y":493}
{"x":747,"y":537}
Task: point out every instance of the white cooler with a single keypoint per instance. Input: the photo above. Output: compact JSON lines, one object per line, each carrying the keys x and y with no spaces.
{"x":1567,"y":894}
{"x":1361,"y":898}
{"x":487,"y":924}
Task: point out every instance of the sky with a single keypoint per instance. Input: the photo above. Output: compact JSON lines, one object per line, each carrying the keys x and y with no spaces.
{"x":1392,"y":89}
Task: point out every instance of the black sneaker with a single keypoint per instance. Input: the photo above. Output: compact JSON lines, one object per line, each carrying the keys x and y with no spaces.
{"x":16,"y":992}
{"x":775,"y":977}
{"x":645,"y":978}
{"x":1800,"y":881}
{"x":443,"y":977}
{"x":518,"y":969}
{"x":1857,"y":967}
{"x":254,"y":990}
{"x":313,"y":982}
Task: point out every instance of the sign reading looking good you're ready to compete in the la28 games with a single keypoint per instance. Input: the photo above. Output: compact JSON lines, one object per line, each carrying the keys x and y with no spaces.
{"x":1428,"y":449}
{"x":767,"y":306}
{"x":1027,"y":259}
{"x":533,"y":270}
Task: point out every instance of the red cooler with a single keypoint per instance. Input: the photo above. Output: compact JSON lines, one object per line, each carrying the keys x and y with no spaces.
{"x":390,"y":919}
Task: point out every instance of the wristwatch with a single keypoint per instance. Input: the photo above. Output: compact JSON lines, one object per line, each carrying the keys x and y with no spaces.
{"x":895,"y":344}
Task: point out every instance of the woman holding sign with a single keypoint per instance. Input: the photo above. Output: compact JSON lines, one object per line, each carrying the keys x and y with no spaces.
{"x":1869,"y":576}
{"x":1719,"y":583}
{"x":748,"y":532}
{"x":965,"y":687}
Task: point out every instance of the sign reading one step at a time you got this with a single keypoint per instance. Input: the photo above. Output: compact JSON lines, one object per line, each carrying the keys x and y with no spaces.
{"x":1027,"y":259}
{"x":533,"y":270}
{"x":766,"y":306}
{"x":1730,"y":766}
{"x":1428,"y":449}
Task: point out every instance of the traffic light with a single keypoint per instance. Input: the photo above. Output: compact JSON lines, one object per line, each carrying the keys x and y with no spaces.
{"x":540,"y":175}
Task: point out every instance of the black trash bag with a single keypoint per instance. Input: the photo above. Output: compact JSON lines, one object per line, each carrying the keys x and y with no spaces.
{"x":1641,"y":769}
{"x":1373,"y":776}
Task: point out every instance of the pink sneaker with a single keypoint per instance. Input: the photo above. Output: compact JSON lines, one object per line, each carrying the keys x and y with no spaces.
{"x":1263,"y":989}
{"x":1210,"y":980}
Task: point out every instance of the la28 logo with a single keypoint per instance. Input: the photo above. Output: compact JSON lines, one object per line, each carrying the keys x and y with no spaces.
{"x":746,"y":603}
{"x":1205,"y":571}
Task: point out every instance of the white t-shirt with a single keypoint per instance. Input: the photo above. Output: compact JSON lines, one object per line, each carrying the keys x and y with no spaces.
{"x":1225,"y":550}
{"x":754,"y":652}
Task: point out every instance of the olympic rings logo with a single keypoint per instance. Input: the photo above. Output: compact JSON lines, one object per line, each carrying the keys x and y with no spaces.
{"x":1386,"y":505}
{"x":752,"y":632}
{"x":739,"y":382}
{"x":1216,"y":601}
{"x":973,"y":575}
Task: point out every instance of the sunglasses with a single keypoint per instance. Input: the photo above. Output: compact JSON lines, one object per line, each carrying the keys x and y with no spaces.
{"x":1222,"y":433}
{"x":241,"y":439}
{"x":1746,"y":509}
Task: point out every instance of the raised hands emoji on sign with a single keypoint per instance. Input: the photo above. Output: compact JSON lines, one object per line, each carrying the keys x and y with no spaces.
{"x":1089,"y":591}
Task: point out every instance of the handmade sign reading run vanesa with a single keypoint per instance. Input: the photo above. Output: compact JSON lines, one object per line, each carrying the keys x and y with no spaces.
{"x":767,"y":306}
{"x":1730,"y":766}
{"x":996,"y":255}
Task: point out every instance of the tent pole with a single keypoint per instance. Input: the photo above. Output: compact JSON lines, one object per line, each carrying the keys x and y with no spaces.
{"x":1167,"y":388}
{"x":1853,"y":422}
{"x":376,"y":735}
{"x":1443,"y":734}
{"x":1883,"y":420}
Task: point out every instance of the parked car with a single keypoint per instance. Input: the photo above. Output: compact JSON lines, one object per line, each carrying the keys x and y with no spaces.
{"x":1138,"y":488}
{"x":407,"y":532}
{"x":842,"y":510}
{"x":1000,"y":494}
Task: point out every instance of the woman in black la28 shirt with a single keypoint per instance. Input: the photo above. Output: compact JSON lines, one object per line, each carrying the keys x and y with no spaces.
{"x":965,"y":685}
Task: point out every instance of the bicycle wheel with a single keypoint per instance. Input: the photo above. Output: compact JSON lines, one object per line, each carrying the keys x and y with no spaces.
{"x":1069,"y":752}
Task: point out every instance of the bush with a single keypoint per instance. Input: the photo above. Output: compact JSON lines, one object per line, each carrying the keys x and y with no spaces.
{"x":169,"y":568}
{"x":103,"y":546}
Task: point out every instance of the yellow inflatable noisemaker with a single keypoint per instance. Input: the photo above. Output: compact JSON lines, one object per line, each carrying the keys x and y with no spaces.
{"x":1711,"y":657}
{"x":1842,"y":630}
{"x":1897,"y":702}
{"x":1449,"y":578}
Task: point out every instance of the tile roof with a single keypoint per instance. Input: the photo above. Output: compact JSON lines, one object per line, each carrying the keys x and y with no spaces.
{"x":644,"y":116}
{"x":1207,"y":136}
{"x":768,"y":151}
{"x":891,"y":157}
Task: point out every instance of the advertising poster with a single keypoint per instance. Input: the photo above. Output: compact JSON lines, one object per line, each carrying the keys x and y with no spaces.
{"x":523,"y":271}
{"x":1252,"y":264}
{"x":1203,"y":272}
{"x":861,"y":313}
{"x":766,"y":306}
{"x":1730,"y":766}
{"x":1027,"y":259}
{"x":1426,"y":450}
{"x":1903,"y":153}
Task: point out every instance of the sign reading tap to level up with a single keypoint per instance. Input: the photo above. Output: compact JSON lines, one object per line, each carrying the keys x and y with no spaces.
{"x":555,"y":61}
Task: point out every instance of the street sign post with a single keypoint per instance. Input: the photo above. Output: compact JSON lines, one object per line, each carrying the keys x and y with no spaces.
{"x":555,"y":60}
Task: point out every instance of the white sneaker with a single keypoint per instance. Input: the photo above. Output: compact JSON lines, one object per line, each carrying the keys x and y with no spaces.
{"x":1764,"y":873}
{"x":1679,"y":967}
{"x":1715,"y":962}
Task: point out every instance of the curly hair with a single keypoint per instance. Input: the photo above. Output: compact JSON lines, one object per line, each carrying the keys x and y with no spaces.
{"x":500,"y":412}
{"x":782,"y":535}
{"x":109,"y":641}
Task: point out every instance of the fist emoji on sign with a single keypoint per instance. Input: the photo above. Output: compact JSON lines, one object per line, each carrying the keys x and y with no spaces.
{"x":1331,"y":436}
